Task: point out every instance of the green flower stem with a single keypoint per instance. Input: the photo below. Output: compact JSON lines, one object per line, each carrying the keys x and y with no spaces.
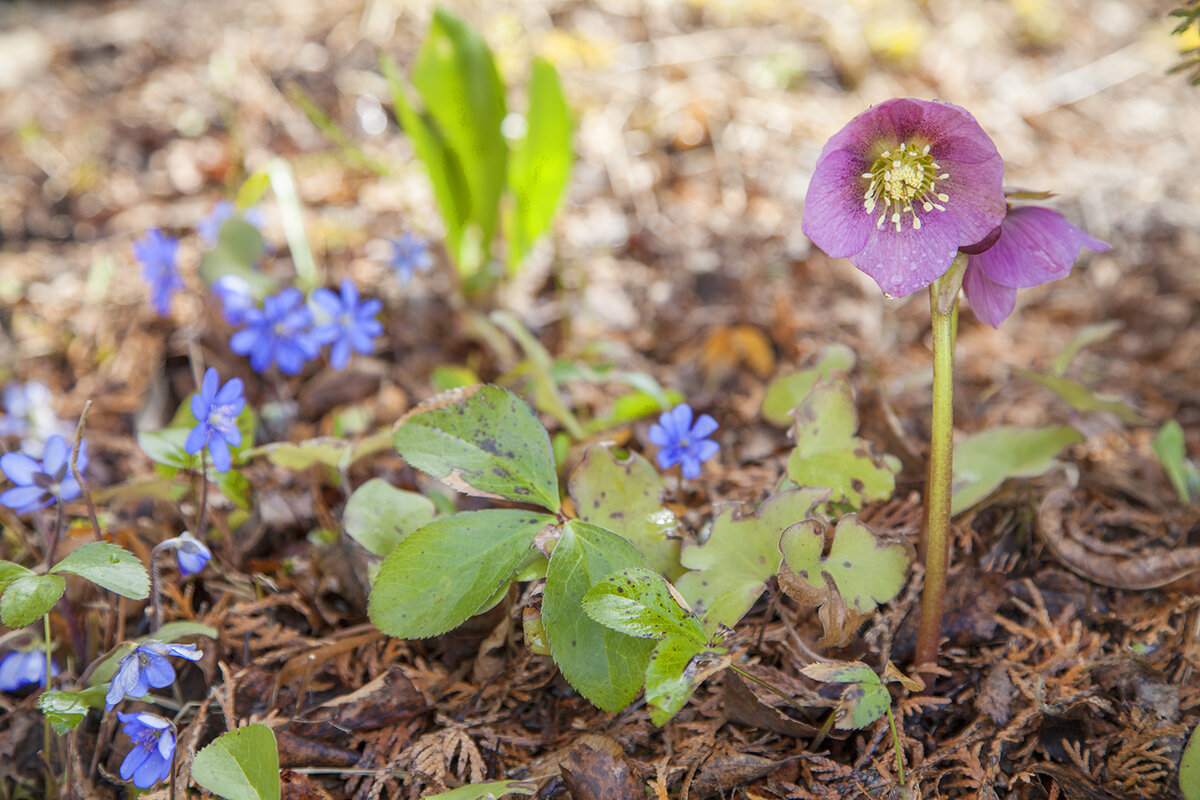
{"x":943,"y":304}
{"x":896,"y":746}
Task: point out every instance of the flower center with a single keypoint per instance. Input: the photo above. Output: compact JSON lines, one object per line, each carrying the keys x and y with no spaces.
{"x":902,"y":180}
{"x":222,"y":418}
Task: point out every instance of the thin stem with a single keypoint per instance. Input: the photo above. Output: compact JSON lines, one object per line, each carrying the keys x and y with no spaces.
{"x":943,"y":302}
{"x":156,"y":583}
{"x":47,"y":734}
{"x":203,"y":510}
{"x":896,"y":745}
{"x":87,"y":495}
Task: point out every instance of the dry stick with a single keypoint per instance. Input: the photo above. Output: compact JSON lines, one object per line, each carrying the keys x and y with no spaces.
{"x":87,"y":495}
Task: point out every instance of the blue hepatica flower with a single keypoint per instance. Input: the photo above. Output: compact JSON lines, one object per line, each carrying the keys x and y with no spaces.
{"x":278,"y":333}
{"x":683,"y":442}
{"x":40,"y":484}
{"x":410,"y":254}
{"x":191,"y":554}
{"x":153,"y":748}
{"x":156,"y":253}
{"x":216,"y":409}
{"x":237,"y":297}
{"x":21,"y":668}
{"x":146,"y":667}
{"x":222,"y":211}
{"x":349,"y":325}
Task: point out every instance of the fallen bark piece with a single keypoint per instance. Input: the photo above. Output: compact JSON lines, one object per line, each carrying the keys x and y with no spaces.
{"x":591,"y":774}
{"x":1094,"y":560}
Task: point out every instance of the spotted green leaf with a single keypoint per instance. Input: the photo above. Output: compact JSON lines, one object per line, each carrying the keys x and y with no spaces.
{"x":731,"y":569}
{"x":624,"y":495}
{"x":483,"y":441}
{"x":863,"y":701}
{"x":603,"y":665}
{"x":669,"y":679}
{"x":829,"y":454}
{"x":637,"y":602}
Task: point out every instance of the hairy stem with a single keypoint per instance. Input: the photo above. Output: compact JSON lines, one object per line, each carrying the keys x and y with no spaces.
{"x":935,"y":542}
{"x":896,"y":746}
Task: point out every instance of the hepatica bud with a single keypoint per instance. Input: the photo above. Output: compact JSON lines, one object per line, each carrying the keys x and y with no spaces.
{"x":902,"y":188}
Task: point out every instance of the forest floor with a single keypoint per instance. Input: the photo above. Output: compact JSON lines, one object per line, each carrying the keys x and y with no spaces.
{"x":678,"y":253}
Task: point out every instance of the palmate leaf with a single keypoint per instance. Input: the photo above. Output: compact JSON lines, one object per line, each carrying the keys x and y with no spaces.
{"x":484,"y":441}
{"x":786,"y":392}
{"x":865,"y":570}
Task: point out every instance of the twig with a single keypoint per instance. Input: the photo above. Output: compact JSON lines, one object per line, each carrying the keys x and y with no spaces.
{"x":87,"y":495}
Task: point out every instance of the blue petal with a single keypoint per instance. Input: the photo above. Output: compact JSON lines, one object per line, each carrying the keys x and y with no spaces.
{"x":221,"y":458}
{"x":706,"y":449}
{"x":681,"y":416}
{"x":658,"y":436}
{"x":54,"y":457}
{"x":208,"y":387}
{"x":19,"y":468}
{"x":339,"y":355}
{"x":25,"y":499}
{"x":134,"y":761}
{"x":196,"y":439}
{"x":705,"y":426}
{"x":230,"y":392}
{"x":153,"y":769}
{"x":159,"y":672}
{"x":691,"y":467}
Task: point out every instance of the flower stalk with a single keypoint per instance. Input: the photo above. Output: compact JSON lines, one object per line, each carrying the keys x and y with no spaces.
{"x":935,"y":542}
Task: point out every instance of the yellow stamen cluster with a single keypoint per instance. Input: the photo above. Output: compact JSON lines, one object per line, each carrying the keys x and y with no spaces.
{"x":901,"y":179}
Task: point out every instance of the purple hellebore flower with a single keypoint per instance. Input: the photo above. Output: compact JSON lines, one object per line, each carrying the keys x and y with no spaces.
{"x":349,"y":324}
{"x":902,"y":188}
{"x":153,"y":748}
{"x":21,"y":668}
{"x":682,"y":442}
{"x":146,"y":666}
{"x":278,"y":333}
{"x":1033,"y":245}
{"x":216,"y":410}
{"x":409,"y":254}
{"x":42,"y":484}
{"x":156,"y":253}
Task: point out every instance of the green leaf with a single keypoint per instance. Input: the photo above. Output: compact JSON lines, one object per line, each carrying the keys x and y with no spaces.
{"x":235,"y":486}
{"x":9,"y":572}
{"x":731,"y":569}
{"x":456,"y":76}
{"x":378,"y":515}
{"x":669,"y":681}
{"x":1084,"y":337}
{"x":541,"y":367}
{"x":638,"y":602}
{"x":110,"y":567}
{"x":240,"y":765}
{"x":827,"y":452}
{"x":984,"y":461}
{"x":291,"y":214}
{"x":329,"y":451}
{"x":1189,"y":767}
{"x":239,"y":245}
{"x":445,"y":170}
{"x":540,"y":167}
{"x":29,"y":597}
{"x":483,"y":441}
{"x":865,"y":700}
{"x":166,"y":447}
{"x":866,"y":571}
{"x":1081,"y":398}
{"x":493,"y":790}
{"x":65,"y":710}
{"x":786,"y":392}
{"x":625,"y":496}
{"x":252,"y":189}
{"x":441,"y":574}
{"x":1170,"y":447}
{"x":604,"y":666}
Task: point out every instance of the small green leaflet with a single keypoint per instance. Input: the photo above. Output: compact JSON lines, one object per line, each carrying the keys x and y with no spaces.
{"x":731,"y":569}
{"x":637,"y":602}
{"x":483,"y":441}
{"x":29,"y":597}
{"x":1170,"y":447}
{"x":827,"y":452}
{"x":786,"y":392}
{"x":1081,"y":398}
{"x":110,"y":567}
{"x":379,"y":516}
{"x":441,"y":574}
{"x":65,"y":710}
{"x":669,"y":678}
{"x":486,"y":791}
{"x":625,"y":496}
{"x":9,"y":572}
{"x":984,"y":461}
{"x":603,"y":665}
{"x":240,"y":765}
{"x":866,"y":699}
